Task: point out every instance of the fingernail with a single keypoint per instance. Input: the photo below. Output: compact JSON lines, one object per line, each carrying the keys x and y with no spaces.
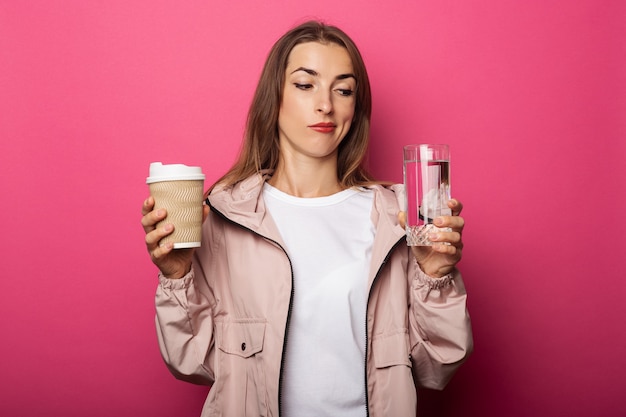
{"x":433,"y":236}
{"x":168,"y":227}
{"x":438,"y":221}
{"x":160,"y":213}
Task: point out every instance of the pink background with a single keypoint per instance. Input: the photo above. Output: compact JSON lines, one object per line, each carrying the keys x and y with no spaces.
{"x":530,"y":95}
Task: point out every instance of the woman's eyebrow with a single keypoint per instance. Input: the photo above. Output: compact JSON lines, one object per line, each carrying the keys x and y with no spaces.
{"x":314,"y":73}
{"x":307,"y":70}
{"x":344,"y":76}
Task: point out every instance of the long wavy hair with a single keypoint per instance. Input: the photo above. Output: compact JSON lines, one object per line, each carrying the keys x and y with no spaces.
{"x":260,"y":149}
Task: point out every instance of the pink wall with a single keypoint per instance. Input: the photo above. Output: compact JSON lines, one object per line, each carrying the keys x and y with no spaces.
{"x":530,"y":96}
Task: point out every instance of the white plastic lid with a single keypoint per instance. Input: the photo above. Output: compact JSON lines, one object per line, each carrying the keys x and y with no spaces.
{"x":173,"y":172}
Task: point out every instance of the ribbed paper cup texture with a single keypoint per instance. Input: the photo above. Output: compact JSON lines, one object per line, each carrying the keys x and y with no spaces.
{"x":183,"y":201}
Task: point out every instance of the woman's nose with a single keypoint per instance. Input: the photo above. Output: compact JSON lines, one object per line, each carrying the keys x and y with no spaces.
{"x":324,"y":104}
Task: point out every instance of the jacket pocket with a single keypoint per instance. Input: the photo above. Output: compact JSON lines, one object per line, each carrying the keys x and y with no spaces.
{"x":391,"y":349}
{"x":240,"y":388}
{"x":242,"y":337}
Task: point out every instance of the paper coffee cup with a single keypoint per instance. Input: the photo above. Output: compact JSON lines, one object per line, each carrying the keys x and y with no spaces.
{"x":179,"y":189}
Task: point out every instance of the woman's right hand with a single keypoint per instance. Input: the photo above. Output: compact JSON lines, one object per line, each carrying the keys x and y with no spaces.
{"x":172,"y":263}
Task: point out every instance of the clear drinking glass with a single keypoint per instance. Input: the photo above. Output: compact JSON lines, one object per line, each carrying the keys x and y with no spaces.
{"x":427,"y":186}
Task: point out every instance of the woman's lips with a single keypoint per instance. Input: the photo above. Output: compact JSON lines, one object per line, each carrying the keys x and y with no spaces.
{"x":323,"y":127}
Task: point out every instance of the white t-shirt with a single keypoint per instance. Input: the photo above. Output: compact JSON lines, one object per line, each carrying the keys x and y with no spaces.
{"x":329,"y":241}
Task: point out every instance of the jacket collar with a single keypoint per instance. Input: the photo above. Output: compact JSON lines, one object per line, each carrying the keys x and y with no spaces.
{"x":389,"y":233}
{"x":242,"y":203}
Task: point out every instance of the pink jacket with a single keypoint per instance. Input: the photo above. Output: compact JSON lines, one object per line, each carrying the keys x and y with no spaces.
{"x":226,"y":322}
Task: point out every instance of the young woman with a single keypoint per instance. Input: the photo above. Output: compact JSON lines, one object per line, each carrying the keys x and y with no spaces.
{"x":304,"y":299}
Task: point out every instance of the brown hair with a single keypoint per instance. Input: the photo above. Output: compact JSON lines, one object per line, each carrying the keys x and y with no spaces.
{"x":260,"y":148}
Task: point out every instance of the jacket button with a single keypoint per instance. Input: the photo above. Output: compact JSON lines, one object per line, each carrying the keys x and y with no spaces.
{"x":243,"y":346}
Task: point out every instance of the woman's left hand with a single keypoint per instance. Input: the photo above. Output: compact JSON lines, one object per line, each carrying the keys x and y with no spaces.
{"x":441,"y":258}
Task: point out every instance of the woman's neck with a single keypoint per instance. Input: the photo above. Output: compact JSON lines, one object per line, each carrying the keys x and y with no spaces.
{"x":307,"y":181}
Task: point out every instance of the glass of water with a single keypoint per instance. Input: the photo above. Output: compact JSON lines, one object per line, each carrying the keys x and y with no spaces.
{"x":427,"y":186}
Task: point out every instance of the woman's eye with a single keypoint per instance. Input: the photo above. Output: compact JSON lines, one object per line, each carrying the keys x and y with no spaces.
{"x":303,"y":86}
{"x":346,"y":92}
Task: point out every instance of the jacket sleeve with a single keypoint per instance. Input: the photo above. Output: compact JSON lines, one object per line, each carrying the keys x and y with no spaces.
{"x":184,"y":325}
{"x":439,"y":327}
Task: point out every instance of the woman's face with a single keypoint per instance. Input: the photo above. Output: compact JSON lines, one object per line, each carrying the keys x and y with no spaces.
{"x":318,"y":101}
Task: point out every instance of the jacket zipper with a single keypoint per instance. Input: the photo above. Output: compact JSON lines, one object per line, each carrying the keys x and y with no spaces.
{"x":382,"y":265}
{"x":282,"y":358}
